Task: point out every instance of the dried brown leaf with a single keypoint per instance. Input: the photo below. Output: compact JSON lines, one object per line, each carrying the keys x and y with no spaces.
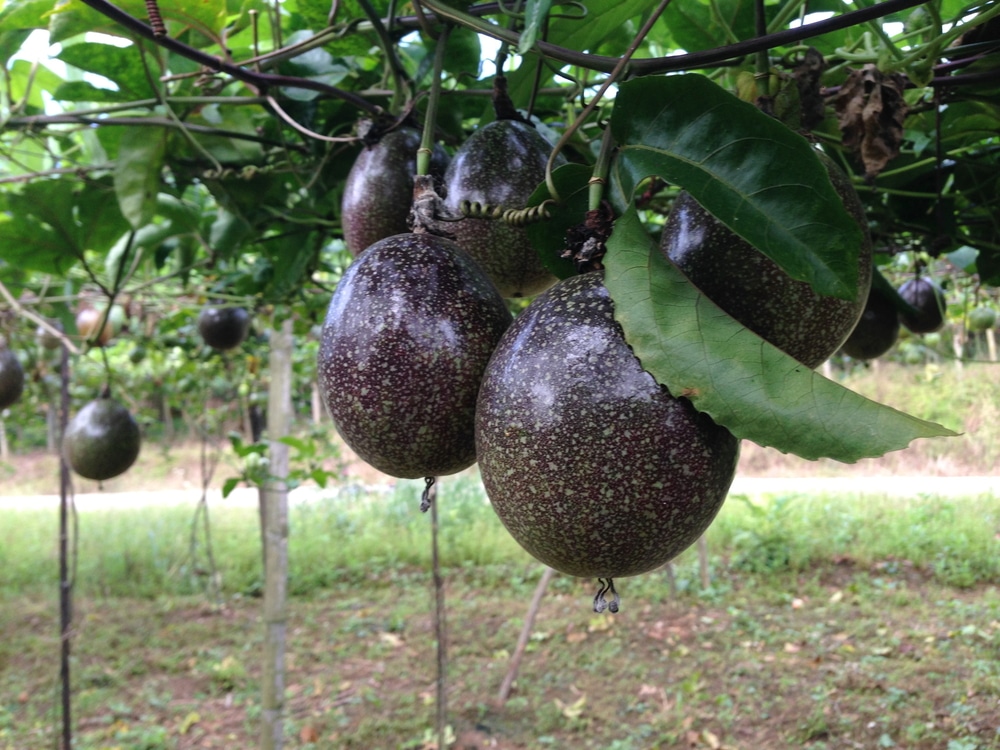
{"x":870,"y":112}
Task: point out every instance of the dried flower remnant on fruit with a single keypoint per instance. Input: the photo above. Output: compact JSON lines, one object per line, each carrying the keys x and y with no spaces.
{"x":601,"y":603}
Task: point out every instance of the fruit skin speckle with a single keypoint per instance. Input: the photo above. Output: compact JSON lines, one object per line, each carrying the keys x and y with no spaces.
{"x":406,"y":339}
{"x":754,"y":289}
{"x":593,"y":467}
{"x":500,"y":164}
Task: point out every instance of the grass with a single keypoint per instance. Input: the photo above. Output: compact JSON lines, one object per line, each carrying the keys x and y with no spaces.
{"x":353,"y":536}
{"x":831,"y":621}
{"x":831,"y":659}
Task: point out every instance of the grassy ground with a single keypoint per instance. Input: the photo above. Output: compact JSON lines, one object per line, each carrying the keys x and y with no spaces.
{"x":842,"y":658}
{"x":857,"y":621}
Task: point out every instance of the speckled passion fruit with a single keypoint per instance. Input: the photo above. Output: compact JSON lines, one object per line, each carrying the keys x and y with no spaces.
{"x":223,"y":328}
{"x":928,"y":298}
{"x":877,"y":329}
{"x":500,"y":165}
{"x":11,"y":376}
{"x":379,"y":188}
{"x":405,"y":341}
{"x":102,"y":440}
{"x":755,"y":290}
{"x":593,"y":467}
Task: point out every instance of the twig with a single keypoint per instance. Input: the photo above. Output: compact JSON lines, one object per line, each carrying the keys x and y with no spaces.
{"x":691,"y":61}
{"x":440,"y":627}
{"x":522,"y":641}
{"x":162,"y":122}
{"x":261,"y":81}
{"x":301,"y":128}
{"x":34,"y":318}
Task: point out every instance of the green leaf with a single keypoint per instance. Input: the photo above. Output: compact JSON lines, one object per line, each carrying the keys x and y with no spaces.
{"x":229,"y":485}
{"x":137,"y":173}
{"x":24,"y":14}
{"x":548,"y":238}
{"x":760,"y":179}
{"x":121,"y":65}
{"x":535,"y":13}
{"x":602,"y":19}
{"x":300,"y":445}
{"x":697,"y":26}
{"x":463,"y":53}
{"x":754,"y":389}
{"x":48,"y":224}
{"x":28,"y":82}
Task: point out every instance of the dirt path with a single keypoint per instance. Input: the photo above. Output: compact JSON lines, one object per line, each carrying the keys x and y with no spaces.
{"x":877,"y":486}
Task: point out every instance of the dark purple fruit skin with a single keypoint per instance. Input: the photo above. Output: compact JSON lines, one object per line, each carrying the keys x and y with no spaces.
{"x":102,"y":440}
{"x":876,"y":331}
{"x":11,"y":378}
{"x":593,"y":467}
{"x":223,"y":328}
{"x":379,"y":188}
{"x":407,"y":336}
{"x":500,"y":164}
{"x":925,"y":295}
{"x":754,"y":289}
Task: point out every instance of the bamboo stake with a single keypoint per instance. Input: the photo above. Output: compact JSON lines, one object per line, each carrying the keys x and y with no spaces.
{"x":522,"y":641}
{"x":274,"y":499}
{"x":65,"y":582}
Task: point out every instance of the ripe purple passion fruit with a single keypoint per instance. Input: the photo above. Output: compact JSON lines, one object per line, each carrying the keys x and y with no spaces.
{"x":500,"y":164}
{"x":223,"y":328}
{"x":929,"y":300}
{"x":876,"y":331}
{"x":11,"y":376}
{"x":379,"y":188}
{"x":406,"y":338}
{"x":592,"y":466}
{"x":755,"y":290}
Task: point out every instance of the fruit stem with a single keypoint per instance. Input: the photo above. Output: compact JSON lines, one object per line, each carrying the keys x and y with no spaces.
{"x":599,"y":178}
{"x":619,"y":69}
{"x":762,"y":63}
{"x":433,"y":99}
{"x":392,"y":61}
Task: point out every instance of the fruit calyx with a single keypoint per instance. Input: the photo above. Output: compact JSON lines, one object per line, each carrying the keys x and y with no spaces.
{"x":586,"y":243}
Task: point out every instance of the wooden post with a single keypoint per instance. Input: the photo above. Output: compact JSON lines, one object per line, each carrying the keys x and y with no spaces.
{"x":274,"y":520}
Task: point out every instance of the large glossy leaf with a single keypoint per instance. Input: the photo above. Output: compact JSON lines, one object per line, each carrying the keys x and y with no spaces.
{"x":137,"y":173}
{"x":763,"y":181}
{"x":757,"y":391}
